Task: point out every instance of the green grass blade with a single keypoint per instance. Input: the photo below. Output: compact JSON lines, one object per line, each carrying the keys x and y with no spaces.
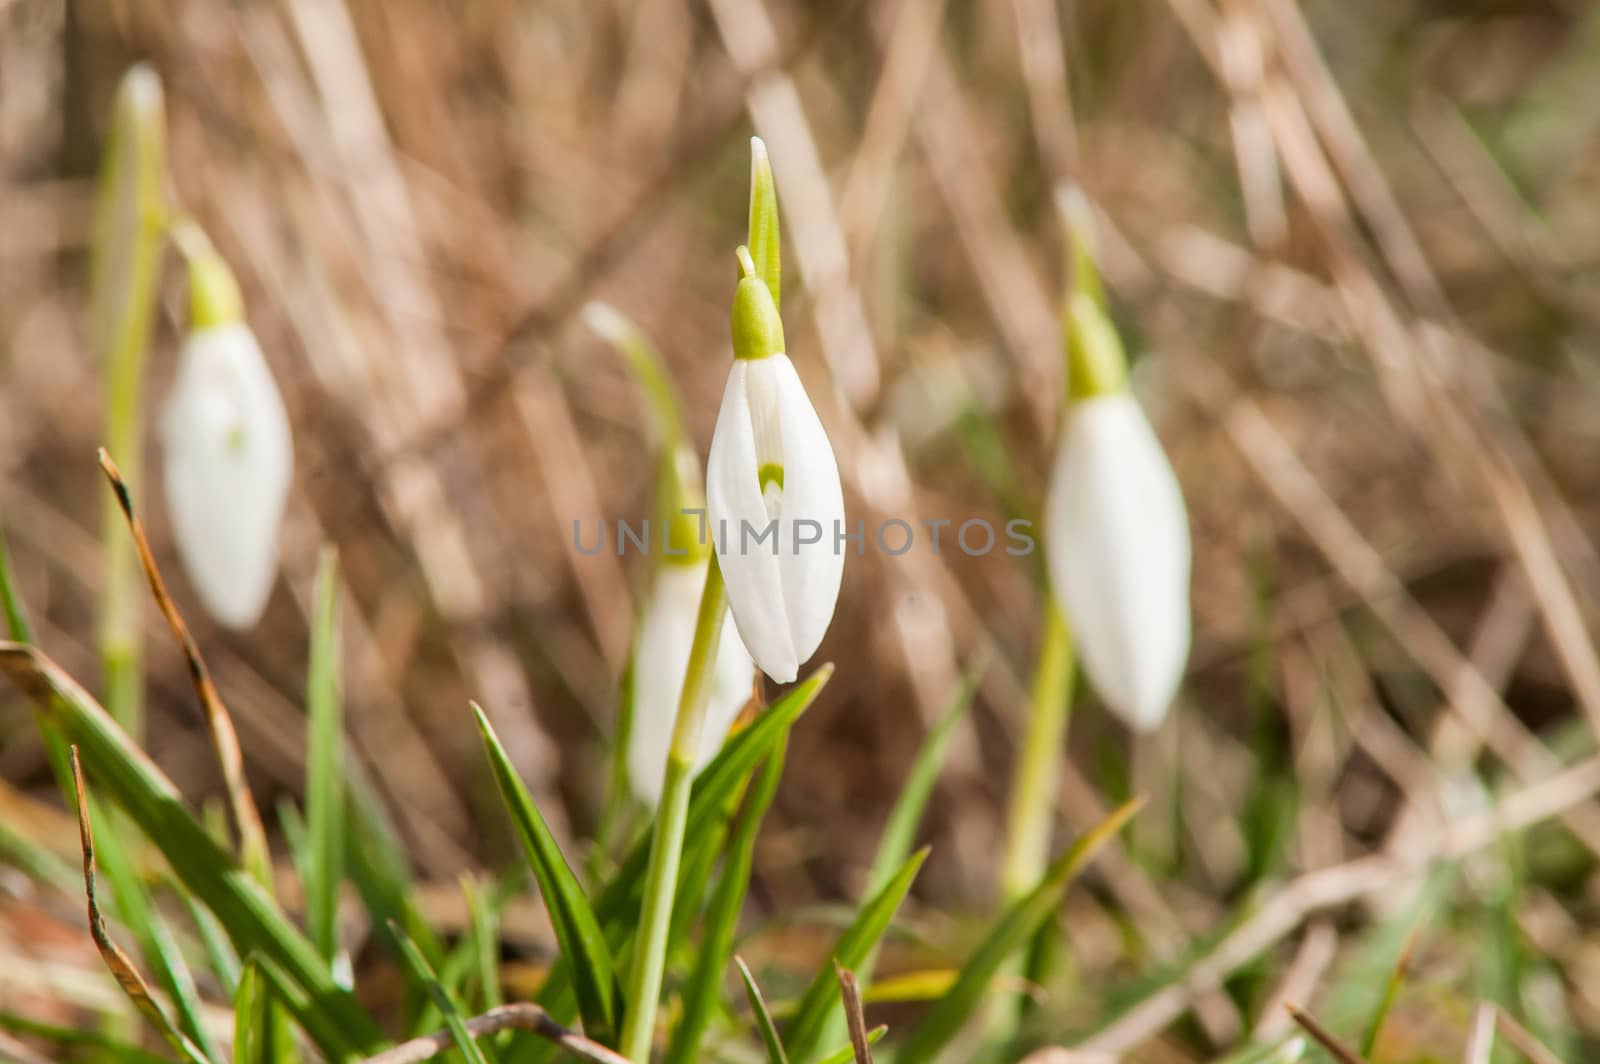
{"x":124,"y":773}
{"x":249,"y":1007}
{"x":1015,"y":926}
{"x":769,"y":1033}
{"x":324,"y":857}
{"x":321,"y":1027}
{"x":900,"y":830}
{"x":377,"y":865}
{"x":220,"y":956}
{"x":701,"y":995}
{"x":1391,"y":991}
{"x":483,"y":932}
{"x":577,"y":930}
{"x":89,"y":1043}
{"x":151,"y":932}
{"x":10,"y":601}
{"x":418,"y":968}
{"x":821,"y":998}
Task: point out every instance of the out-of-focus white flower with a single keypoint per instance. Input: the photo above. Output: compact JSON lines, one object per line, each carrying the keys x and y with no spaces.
{"x":1117,"y":536}
{"x":773,"y":497}
{"x":660,"y":659}
{"x":227,"y":455}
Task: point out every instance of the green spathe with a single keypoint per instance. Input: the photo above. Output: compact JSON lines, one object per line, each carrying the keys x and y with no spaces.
{"x":757,"y":328}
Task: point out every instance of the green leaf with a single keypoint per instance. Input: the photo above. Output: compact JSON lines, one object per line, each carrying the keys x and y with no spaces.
{"x":577,"y":930}
{"x":1016,"y":925}
{"x":900,"y":831}
{"x":418,"y":968}
{"x":252,"y":919}
{"x":324,"y":857}
{"x":701,"y":995}
{"x":94,"y":1044}
{"x":314,"y":1018}
{"x":249,"y":1007}
{"x":16,"y":616}
{"x":769,"y":1033}
{"x":219,"y":951}
{"x":821,"y":998}
{"x":763,"y":236}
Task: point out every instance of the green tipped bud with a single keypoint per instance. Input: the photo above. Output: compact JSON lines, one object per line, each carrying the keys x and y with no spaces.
{"x":213,"y":293}
{"x":757,"y":328}
{"x":764,"y":239}
{"x":1096,"y":364}
{"x":214,"y":297}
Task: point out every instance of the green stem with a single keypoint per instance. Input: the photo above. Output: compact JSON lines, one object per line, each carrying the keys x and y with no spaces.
{"x":666,"y":843}
{"x":1033,"y":790}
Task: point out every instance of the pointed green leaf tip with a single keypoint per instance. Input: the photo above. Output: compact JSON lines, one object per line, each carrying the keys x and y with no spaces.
{"x":764,"y":240}
{"x":757,"y":328}
{"x":1096,"y":364}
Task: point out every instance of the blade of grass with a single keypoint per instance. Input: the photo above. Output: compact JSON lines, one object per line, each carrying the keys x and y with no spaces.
{"x":1015,"y":926}
{"x":249,"y":1006}
{"x":758,"y":1005}
{"x":1391,"y":990}
{"x":820,"y":1000}
{"x":89,"y":1041}
{"x":319,"y":1023}
{"x":150,"y":930}
{"x":219,"y":951}
{"x":252,"y":919}
{"x":701,"y":995}
{"x":577,"y":930}
{"x":117,"y":961}
{"x":324,"y":864}
{"x":417,"y":965}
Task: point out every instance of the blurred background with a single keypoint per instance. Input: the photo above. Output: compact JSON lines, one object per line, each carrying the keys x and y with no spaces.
{"x":1354,"y":248}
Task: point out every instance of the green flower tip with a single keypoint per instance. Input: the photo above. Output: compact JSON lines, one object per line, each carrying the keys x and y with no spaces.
{"x":1096,"y":364}
{"x":214,"y":297}
{"x":757,"y":328}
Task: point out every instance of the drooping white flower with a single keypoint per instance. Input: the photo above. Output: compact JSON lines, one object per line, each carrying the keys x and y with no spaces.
{"x":773,"y":499}
{"x":660,"y":659}
{"x":227,"y":459}
{"x":1117,"y":538}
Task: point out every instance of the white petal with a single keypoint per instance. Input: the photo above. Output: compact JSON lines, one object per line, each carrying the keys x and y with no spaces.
{"x":227,"y":462}
{"x":1118,"y":549}
{"x":661,"y":657}
{"x":811,"y":493}
{"x":750,"y":569}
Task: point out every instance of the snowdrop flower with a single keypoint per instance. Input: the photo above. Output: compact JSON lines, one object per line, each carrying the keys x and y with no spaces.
{"x":1117,"y":535}
{"x":667,"y":626}
{"x":773,"y":498}
{"x":226,"y":450}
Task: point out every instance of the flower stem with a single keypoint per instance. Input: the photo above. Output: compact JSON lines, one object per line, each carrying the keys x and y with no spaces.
{"x":666,"y":842}
{"x":1033,"y":789}
{"x":1032,"y":805}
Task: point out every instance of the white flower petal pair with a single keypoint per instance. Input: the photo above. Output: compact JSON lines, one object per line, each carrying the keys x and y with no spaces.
{"x":771,"y":461}
{"x":227,"y":462}
{"x":661,"y":657}
{"x":1119,"y":555}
